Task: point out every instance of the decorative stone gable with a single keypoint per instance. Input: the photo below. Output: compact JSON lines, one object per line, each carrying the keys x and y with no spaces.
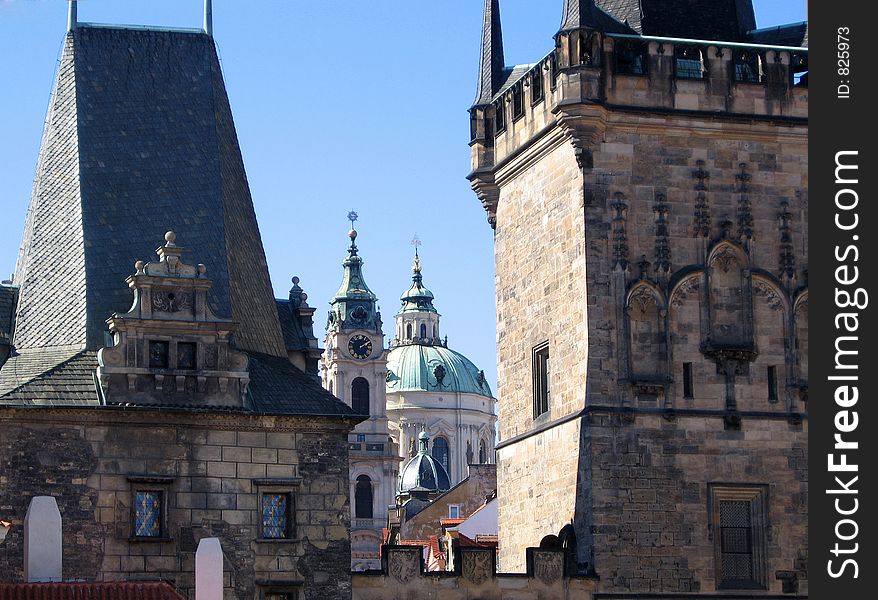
{"x":170,"y":348}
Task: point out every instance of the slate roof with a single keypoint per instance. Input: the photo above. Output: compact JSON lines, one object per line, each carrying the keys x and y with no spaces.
{"x":291,"y":328}
{"x":50,"y":377}
{"x":626,"y":11}
{"x":59,"y":377}
{"x":722,"y":20}
{"x":588,"y":13}
{"x":793,"y":34}
{"x":491,"y":63}
{"x":139,"y":140}
{"x":111,"y":590}
{"x":8,"y":295}
{"x":272,"y":379}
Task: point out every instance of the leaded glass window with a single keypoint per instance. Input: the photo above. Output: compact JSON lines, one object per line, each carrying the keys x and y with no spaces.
{"x":739,"y":528}
{"x":147,"y":513}
{"x":275,"y":515}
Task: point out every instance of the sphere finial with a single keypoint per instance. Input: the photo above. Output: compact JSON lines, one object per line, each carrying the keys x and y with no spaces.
{"x":170,"y":238}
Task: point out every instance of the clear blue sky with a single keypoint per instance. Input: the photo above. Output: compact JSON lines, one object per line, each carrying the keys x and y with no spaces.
{"x":338,"y":105}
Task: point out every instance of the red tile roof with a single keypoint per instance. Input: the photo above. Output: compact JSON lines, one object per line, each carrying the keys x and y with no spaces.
{"x":110,"y":590}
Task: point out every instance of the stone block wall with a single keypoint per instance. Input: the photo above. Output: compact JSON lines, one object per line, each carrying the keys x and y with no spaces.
{"x":212,"y":469}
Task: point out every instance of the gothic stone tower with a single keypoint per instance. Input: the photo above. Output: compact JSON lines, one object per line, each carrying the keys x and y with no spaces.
{"x":355,"y":369}
{"x":646,"y":181}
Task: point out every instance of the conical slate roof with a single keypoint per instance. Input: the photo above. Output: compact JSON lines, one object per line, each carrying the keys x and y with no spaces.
{"x":139,"y":139}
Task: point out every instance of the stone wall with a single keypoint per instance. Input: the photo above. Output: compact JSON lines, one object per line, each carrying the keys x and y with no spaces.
{"x":212,"y":468}
{"x":402,"y":577}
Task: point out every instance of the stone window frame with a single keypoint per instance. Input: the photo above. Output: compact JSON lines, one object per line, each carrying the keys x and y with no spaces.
{"x":517,"y":99}
{"x":541,"y":372}
{"x":499,"y":127}
{"x":537,"y":91}
{"x":688,"y":380}
{"x":289,"y":589}
{"x":760,"y":531}
{"x":771,"y":381}
{"x":285,"y":485}
{"x":150,"y":483}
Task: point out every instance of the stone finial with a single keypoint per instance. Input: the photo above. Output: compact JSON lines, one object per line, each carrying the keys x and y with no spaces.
{"x":42,"y":540}
{"x":209,"y":570}
{"x":170,"y":238}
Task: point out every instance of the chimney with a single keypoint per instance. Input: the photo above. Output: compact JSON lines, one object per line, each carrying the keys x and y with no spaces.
{"x":209,"y":570}
{"x":42,"y":540}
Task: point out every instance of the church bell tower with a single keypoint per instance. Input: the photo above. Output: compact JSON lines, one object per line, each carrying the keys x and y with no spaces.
{"x":355,"y":370}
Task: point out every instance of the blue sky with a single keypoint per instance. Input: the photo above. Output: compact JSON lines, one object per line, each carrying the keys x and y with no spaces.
{"x":338,"y":105}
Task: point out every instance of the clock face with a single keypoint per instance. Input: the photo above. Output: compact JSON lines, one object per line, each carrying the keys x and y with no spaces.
{"x":360,"y":346}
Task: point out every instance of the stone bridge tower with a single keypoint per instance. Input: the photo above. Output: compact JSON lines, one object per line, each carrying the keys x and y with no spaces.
{"x":647,"y":185}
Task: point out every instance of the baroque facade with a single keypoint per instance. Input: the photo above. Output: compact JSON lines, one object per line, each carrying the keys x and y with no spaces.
{"x":415,"y":385}
{"x":647,"y":185}
{"x":159,"y":400}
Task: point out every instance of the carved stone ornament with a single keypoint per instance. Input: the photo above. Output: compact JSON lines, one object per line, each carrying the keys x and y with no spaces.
{"x":686,"y":287}
{"x":724,"y":258}
{"x":403,"y":565}
{"x":476,"y":566}
{"x":643,"y":298}
{"x":548,"y":566}
{"x":172,"y":301}
{"x":760,"y":288}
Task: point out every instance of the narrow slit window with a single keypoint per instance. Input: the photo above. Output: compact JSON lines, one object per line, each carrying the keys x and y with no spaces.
{"x":772,"y":384}
{"x":536,"y":86}
{"x":517,"y":102}
{"x":541,"y":379}
{"x":687,"y":381}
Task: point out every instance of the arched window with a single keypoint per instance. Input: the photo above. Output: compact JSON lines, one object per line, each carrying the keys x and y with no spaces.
{"x":483,"y":453}
{"x":330,"y":388}
{"x":360,"y":396}
{"x":363,"y":498}
{"x":423,"y":331}
{"x":435,"y":333}
{"x":408,"y":331}
{"x":440,"y":451}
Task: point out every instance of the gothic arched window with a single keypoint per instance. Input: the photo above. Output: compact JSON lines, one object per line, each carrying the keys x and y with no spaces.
{"x":483,"y":453}
{"x":441,"y":452}
{"x":360,"y":396}
{"x":423,"y":331}
{"x":363,"y":498}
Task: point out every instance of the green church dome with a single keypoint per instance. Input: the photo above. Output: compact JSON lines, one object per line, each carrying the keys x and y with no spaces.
{"x":418,"y":367}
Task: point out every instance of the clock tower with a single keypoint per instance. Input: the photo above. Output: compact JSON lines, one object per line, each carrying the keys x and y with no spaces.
{"x":355,"y":370}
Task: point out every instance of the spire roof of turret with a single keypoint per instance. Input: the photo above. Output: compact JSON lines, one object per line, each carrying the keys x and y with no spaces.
{"x":417,"y":297}
{"x":491,"y":60}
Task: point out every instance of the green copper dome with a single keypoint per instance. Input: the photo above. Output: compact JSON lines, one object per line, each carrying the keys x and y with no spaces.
{"x":422,"y":472}
{"x":416,"y":367}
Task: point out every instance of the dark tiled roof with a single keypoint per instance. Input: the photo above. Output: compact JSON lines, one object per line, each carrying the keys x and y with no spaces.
{"x":794,"y":34}
{"x":57,"y":377}
{"x":291,"y":328}
{"x":49,"y":376}
{"x":510,"y":76}
{"x":588,"y":13}
{"x":8,"y":296}
{"x":726,"y":20}
{"x":626,"y":11}
{"x":139,"y":140}
{"x":277,"y":387}
{"x":115,"y":590}
{"x":491,"y":62}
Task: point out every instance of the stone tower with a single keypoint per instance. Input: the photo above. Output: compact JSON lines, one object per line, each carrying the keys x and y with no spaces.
{"x":647,"y":185}
{"x":354,"y":369}
{"x":145,"y":379}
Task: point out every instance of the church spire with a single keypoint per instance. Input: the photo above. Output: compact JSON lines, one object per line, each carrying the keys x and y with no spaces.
{"x":578,"y":14}
{"x":491,"y":61}
{"x":354,"y":304}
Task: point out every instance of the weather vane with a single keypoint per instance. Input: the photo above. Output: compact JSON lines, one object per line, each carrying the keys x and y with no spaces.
{"x":416,"y":241}
{"x":352,"y":216}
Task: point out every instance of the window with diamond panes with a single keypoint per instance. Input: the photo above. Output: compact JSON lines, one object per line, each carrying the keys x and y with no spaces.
{"x":148,"y":513}
{"x":739,"y":525}
{"x":276,"y":511}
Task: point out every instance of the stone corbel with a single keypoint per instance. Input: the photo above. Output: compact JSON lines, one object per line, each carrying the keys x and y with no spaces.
{"x":488,"y":192}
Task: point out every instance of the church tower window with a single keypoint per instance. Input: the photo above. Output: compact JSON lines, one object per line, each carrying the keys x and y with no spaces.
{"x":483,"y":453}
{"x":541,"y":379}
{"x":441,"y":452}
{"x":360,"y":396}
{"x":423,"y":331}
{"x":363,"y":498}
{"x":408,"y":331}
{"x":772,"y":383}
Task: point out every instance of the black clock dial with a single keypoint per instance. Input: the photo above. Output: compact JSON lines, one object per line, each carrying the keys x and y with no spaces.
{"x":360,"y":346}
